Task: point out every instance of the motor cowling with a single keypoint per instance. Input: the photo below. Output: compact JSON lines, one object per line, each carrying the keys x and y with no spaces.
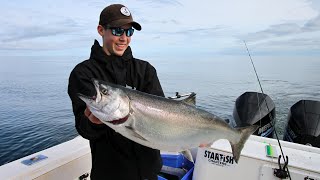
{"x":303,"y":124}
{"x":254,"y":108}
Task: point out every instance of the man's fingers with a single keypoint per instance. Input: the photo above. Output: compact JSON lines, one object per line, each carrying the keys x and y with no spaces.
{"x":204,"y":145}
{"x":87,"y":112}
{"x":95,"y":120}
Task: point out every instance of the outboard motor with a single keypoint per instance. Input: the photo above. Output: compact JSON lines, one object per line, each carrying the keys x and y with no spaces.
{"x":253,"y":108}
{"x":304,"y":123}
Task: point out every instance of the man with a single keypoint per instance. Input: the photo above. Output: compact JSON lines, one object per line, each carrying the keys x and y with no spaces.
{"x":114,"y":156}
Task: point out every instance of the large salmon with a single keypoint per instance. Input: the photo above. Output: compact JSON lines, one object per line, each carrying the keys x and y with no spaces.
{"x":161,"y":123}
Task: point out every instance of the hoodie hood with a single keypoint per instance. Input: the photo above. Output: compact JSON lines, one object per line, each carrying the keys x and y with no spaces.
{"x":115,"y":66}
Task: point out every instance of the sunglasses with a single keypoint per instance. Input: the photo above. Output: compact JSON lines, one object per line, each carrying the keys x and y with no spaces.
{"x":117,"y":31}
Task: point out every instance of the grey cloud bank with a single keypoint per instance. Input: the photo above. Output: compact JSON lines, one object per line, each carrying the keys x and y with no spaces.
{"x":177,"y":26}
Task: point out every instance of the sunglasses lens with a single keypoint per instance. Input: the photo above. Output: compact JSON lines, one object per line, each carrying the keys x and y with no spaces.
{"x":129,"y":32}
{"x":119,"y":31}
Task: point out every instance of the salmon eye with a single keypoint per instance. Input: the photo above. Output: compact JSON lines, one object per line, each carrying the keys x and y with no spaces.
{"x":104,"y":91}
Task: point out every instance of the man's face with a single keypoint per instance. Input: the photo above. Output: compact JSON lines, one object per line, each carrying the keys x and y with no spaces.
{"x":112,"y":44}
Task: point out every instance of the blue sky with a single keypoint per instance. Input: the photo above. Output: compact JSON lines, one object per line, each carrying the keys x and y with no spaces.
{"x":177,"y":28}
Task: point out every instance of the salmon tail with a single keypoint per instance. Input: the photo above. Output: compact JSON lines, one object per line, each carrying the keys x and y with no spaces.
{"x":244,"y":132}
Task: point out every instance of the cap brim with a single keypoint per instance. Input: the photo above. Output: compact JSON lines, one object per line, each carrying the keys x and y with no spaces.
{"x":121,"y":22}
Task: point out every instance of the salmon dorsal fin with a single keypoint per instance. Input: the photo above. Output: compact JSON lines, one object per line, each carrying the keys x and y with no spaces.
{"x":191,"y":99}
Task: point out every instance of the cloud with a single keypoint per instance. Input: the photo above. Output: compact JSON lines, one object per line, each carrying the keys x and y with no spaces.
{"x":274,"y":31}
{"x":38,"y":37}
{"x":159,"y":3}
{"x":245,"y":14}
{"x":221,"y":26}
{"x":177,"y":26}
{"x":290,"y":38}
{"x":35,"y":31}
{"x":313,"y":24}
{"x":286,"y":29}
{"x":44,"y":26}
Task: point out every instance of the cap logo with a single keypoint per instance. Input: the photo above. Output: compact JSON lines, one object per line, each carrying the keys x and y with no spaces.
{"x":125,"y":11}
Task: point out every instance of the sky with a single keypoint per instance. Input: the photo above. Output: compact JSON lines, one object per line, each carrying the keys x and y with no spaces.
{"x":169,"y":28}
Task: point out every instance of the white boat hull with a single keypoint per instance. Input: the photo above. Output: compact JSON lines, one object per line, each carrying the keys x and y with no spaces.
{"x":304,"y":161}
{"x":67,"y":160}
{"x":72,"y":159}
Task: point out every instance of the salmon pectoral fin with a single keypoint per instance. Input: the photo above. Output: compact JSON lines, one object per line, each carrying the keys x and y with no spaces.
{"x":134,"y":133}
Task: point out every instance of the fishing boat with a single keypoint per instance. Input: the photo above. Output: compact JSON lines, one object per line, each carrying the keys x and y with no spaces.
{"x":261,"y":158}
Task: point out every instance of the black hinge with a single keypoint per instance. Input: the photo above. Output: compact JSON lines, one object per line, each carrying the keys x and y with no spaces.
{"x":84,"y":176}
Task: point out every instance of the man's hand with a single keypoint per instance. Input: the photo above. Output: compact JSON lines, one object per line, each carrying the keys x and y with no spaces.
{"x":204,"y":145}
{"x":91,"y":117}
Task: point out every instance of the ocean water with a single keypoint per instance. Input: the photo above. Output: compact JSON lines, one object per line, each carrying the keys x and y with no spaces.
{"x":35,"y":109}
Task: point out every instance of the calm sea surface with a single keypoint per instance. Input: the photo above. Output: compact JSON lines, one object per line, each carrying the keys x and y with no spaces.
{"x":35,"y":109}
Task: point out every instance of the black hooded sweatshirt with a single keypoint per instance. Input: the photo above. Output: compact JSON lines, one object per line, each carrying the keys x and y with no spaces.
{"x":113,"y":155}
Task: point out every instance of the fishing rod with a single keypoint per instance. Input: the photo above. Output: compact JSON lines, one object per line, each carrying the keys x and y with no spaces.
{"x":270,"y":116}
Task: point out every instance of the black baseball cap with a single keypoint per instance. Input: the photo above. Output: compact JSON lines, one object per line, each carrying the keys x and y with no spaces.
{"x":117,"y":15}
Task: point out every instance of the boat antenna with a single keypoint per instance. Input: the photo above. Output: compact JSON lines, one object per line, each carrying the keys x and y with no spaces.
{"x":270,"y":114}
